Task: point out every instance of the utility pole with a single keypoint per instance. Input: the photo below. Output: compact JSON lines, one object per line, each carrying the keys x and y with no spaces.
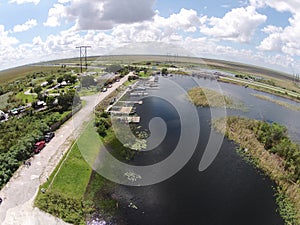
{"x":83,"y":55}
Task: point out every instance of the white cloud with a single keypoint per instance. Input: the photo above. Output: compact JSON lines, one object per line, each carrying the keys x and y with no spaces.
{"x":185,"y":20}
{"x":292,"y":6}
{"x":6,"y":40}
{"x":159,"y":35}
{"x":55,"y":14}
{"x":237,"y":25}
{"x":284,"y":40}
{"x":19,"y":2}
{"x":26,"y":26}
{"x":100,"y":14}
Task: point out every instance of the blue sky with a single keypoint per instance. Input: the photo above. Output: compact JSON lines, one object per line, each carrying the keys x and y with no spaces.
{"x":260,"y":32}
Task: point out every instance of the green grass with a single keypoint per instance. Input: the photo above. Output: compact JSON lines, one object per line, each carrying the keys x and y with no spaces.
{"x":88,"y":91}
{"x":26,"y":98}
{"x":66,"y":187}
{"x":73,"y":177}
{"x":128,"y":83}
{"x":3,"y":100}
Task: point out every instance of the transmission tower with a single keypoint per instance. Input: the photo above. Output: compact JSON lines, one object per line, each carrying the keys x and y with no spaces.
{"x":83,"y":56}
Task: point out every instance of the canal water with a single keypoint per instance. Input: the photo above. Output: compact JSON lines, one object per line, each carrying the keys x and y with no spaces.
{"x":229,"y":192}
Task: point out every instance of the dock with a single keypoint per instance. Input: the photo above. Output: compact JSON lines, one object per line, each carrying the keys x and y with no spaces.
{"x":131,"y":102}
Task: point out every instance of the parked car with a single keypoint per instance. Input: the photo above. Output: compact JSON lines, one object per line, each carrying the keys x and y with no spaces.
{"x":39,"y":146}
{"x":109,"y":86}
{"x":104,"y":89}
{"x":49,"y":136}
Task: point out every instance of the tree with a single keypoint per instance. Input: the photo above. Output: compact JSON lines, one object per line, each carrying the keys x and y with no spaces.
{"x":71,"y":79}
{"x":114,"y":68}
{"x":38,"y":89}
{"x":60,"y":79}
{"x":50,"y":80}
{"x":68,"y":99}
{"x":164,"y":71}
{"x":88,"y":81}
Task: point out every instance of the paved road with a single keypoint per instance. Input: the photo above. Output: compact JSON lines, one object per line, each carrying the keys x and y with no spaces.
{"x":19,"y":193}
{"x":265,"y":86}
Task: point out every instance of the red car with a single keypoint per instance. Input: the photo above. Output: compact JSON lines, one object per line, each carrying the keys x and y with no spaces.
{"x":39,"y":146}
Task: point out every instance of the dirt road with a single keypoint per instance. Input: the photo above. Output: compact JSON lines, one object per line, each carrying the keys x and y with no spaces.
{"x":18,"y":194}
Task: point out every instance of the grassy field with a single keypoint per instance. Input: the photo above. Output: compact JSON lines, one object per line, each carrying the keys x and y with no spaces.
{"x":88,"y":91}
{"x":19,"y":72}
{"x":278,"y":102}
{"x":26,"y":98}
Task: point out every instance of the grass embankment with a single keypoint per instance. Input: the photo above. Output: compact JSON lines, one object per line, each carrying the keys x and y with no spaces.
{"x":209,"y":98}
{"x":65,"y":188}
{"x":268,"y":148}
{"x":74,"y":191}
{"x":276,"y":90}
{"x":278,"y":102}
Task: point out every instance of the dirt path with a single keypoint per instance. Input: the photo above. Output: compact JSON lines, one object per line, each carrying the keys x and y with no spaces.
{"x":19,"y":193}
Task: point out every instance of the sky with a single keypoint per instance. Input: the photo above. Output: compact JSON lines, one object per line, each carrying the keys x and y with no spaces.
{"x":259,"y":32}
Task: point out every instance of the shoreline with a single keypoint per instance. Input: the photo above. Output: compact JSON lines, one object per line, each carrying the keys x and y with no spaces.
{"x":260,"y":88}
{"x":251,"y":150}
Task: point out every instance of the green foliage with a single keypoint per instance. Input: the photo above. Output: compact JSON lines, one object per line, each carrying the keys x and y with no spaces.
{"x":286,"y":208}
{"x":114,"y":68}
{"x":17,"y":138}
{"x":88,"y":81}
{"x":70,"y":79}
{"x":275,"y":139}
{"x":60,"y":79}
{"x":164,"y":71}
{"x":38,"y":89}
{"x":68,"y":99}
{"x":50,"y":80}
{"x":71,"y":210}
{"x":102,"y":124}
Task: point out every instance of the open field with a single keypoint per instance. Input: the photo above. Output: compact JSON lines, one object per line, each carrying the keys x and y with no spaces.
{"x":19,"y":72}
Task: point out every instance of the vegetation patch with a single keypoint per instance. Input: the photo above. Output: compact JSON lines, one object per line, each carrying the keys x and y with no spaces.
{"x":278,"y":102}
{"x":4,"y":100}
{"x":270,"y":149}
{"x":63,"y":194}
{"x":209,"y":98}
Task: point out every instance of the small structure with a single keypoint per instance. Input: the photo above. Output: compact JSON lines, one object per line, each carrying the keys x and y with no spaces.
{"x":3,"y":116}
{"x":44,"y":84}
{"x":40,"y":104}
{"x":63,"y":84}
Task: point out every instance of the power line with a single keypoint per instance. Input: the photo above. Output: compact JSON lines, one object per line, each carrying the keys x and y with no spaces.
{"x":83,"y":55}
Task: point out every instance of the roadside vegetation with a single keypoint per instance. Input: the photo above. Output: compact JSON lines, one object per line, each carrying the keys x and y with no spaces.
{"x":205,"y":97}
{"x":278,"y":102}
{"x":27,"y":121}
{"x":268,"y":147}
